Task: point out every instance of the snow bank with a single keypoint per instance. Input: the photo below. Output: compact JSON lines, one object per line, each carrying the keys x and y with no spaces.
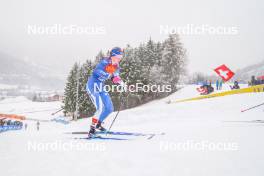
{"x":19,"y":99}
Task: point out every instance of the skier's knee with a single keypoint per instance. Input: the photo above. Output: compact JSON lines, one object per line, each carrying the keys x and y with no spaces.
{"x":109,"y":109}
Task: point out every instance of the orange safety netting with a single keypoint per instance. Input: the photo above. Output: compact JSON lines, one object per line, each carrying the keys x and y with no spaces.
{"x":13,"y":116}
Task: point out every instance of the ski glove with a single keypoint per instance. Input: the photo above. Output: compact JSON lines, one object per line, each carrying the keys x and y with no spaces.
{"x":116,"y":80}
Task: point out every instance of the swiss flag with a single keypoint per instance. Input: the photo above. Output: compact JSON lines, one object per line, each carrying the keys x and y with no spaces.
{"x":224,"y":72}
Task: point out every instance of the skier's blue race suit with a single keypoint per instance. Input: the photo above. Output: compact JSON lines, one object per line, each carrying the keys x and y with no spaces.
{"x":100,"y":98}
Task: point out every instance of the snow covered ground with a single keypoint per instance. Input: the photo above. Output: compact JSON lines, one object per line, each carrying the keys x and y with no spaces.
{"x":206,"y":137}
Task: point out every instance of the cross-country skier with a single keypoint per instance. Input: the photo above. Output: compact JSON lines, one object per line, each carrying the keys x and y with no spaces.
{"x":107,"y":68}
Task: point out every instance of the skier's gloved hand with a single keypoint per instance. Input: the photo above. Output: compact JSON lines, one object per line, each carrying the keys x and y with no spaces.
{"x":116,"y":80}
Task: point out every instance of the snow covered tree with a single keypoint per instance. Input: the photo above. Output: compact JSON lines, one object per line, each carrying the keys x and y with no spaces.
{"x":173,"y":60}
{"x":86,"y":107}
{"x":70,"y":92}
{"x":98,"y":57}
{"x":130,"y":73}
{"x":148,"y":59}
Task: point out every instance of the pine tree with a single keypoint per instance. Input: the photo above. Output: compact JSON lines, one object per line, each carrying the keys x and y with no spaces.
{"x":173,"y":59}
{"x":98,"y":57}
{"x":148,"y":59}
{"x":86,"y":107}
{"x":130,"y":75}
{"x":70,"y":92}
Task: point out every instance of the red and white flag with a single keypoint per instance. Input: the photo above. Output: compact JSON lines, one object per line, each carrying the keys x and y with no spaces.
{"x":224,"y":72}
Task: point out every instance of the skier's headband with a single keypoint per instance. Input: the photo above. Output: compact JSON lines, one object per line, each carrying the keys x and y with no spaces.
{"x":117,"y":51}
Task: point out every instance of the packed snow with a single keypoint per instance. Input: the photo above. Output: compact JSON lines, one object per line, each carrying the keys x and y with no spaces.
{"x":206,"y":137}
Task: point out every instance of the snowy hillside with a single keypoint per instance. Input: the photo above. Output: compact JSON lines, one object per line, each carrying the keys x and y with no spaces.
{"x":252,"y":70}
{"x":207,"y":137}
{"x":14,"y":71}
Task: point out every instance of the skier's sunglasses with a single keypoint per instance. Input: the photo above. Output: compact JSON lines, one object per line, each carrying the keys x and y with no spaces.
{"x":118,"y":56}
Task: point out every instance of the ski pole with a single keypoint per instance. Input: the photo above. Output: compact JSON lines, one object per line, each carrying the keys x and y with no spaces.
{"x":57,"y":111}
{"x":115,"y":115}
{"x":113,"y":121}
{"x":252,"y":107}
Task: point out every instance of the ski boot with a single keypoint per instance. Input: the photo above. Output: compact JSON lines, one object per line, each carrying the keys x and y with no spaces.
{"x":96,"y":125}
{"x":99,"y":126}
{"x":92,"y":131}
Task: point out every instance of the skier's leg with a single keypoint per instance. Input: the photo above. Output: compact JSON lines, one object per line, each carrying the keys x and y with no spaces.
{"x":105,"y":108}
{"x":94,"y":95}
{"x":108,"y":107}
{"x":97,"y":101}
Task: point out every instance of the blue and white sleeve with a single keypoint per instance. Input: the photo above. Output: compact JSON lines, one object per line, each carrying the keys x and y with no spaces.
{"x":99,"y":71}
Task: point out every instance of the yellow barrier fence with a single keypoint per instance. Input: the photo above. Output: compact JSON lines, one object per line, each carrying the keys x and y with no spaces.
{"x":253,"y":89}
